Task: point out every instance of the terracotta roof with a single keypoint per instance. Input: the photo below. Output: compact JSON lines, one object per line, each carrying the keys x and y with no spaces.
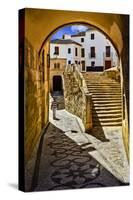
{"x":65,"y":41}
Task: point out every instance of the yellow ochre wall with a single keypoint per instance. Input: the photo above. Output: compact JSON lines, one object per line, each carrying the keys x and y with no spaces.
{"x":36,"y":77}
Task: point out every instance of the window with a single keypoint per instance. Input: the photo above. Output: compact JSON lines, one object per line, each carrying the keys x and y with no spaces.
{"x":76,"y":51}
{"x":56,"y":51}
{"x":83,"y":65}
{"x":82,"y":52}
{"x":92,"y":64}
{"x":92,"y":54}
{"x":76,"y":62}
{"x":107,"y":51}
{"x":92,"y":36}
{"x":56,"y":65}
{"x":69,"y":50}
{"x":69,"y":62}
{"x":82,"y":39}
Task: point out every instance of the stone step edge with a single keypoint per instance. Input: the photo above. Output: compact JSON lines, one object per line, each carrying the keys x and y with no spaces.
{"x":104,"y":112}
{"x":106,"y":108}
{"x":102,"y":115}
{"x":106,"y":100}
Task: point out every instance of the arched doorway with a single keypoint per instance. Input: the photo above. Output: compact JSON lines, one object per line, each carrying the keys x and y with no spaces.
{"x":118,"y":46}
{"x":57,"y":83}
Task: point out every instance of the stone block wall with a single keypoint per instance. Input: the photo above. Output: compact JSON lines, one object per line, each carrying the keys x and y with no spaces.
{"x":76,"y":96}
{"x":36,"y":99}
{"x":113,"y":73}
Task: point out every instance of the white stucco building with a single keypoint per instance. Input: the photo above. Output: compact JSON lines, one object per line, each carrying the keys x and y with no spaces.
{"x":91,"y":49}
{"x":67,"y":49}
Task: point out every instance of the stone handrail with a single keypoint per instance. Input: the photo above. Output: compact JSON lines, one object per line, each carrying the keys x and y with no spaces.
{"x":78,"y":100}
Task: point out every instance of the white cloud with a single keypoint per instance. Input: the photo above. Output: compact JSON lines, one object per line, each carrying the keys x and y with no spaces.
{"x":78,"y":28}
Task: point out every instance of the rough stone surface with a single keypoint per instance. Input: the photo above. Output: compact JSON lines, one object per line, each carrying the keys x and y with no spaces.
{"x":75,"y":92}
{"x":36,"y":97}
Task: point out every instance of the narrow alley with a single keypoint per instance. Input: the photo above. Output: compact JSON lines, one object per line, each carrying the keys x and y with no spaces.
{"x":86,"y":74}
{"x":64,"y":159}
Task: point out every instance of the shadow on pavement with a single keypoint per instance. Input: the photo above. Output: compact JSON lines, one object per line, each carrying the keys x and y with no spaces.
{"x":97,"y":131}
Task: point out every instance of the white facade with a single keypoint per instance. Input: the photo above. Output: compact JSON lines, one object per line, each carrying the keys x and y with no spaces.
{"x":66,"y":51}
{"x":99,"y":53}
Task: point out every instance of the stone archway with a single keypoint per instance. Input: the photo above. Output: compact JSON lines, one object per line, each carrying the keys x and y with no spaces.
{"x":37,"y":33}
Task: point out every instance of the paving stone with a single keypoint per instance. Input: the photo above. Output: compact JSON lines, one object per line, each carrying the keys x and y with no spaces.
{"x":71,"y":159}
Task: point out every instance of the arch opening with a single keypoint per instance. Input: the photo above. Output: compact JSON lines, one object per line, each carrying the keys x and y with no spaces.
{"x":57,"y":84}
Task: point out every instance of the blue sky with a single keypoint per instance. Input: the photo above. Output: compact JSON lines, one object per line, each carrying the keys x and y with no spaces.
{"x":68,"y":30}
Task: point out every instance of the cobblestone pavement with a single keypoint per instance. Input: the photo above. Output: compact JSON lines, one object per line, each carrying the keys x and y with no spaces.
{"x":65,"y":165}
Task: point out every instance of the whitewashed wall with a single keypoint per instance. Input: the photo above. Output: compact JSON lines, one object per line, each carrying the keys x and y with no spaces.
{"x":100,"y":42}
{"x":63,"y":52}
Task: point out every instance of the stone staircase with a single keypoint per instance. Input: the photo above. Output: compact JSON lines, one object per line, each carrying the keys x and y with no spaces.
{"x":106,"y":99}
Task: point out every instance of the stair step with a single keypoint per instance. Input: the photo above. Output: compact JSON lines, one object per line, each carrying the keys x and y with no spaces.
{"x":105,"y":94}
{"x":89,"y":82}
{"x":101,"y":81}
{"x":103,"y":86}
{"x":109,"y":124}
{"x":98,"y":96}
{"x":114,"y":90}
{"x":106,"y":115}
{"x":119,"y":119}
{"x":106,"y":98}
{"x":110,"y":104}
{"x":112,"y":111}
{"x":106,"y":108}
{"x":106,"y":101}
